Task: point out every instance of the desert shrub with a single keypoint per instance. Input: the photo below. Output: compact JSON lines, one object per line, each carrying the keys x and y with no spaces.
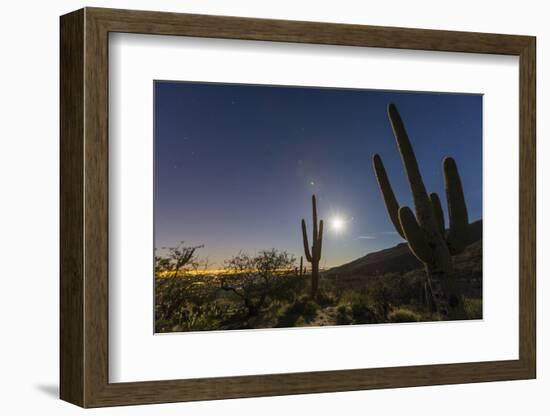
{"x":176,"y":261}
{"x":473,"y":308}
{"x":343,"y":315}
{"x":302,"y":310}
{"x":355,"y":307}
{"x":199,"y":318}
{"x":187,"y":304}
{"x":358,"y":307}
{"x":349,"y":297}
{"x":306,"y":309}
{"x":183,"y":301}
{"x":477,"y":268}
{"x":325,"y":295}
{"x":400,"y":289}
{"x":362,"y":313}
{"x":171,"y":296}
{"x":325,"y":298}
{"x":380,"y":298}
{"x":403,"y":315}
{"x":287,"y":288}
{"x":255,"y":280}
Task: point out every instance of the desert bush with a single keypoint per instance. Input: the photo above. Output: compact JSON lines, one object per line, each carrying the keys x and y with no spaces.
{"x":362,"y":313}
{"x":403,"y":289}
{"x":254,"y":279}
{"x":325,"y":298}
{"x":175,"y":296}
{"x":176,"y":260}
{"x":343,"y":315}
{"x":357,"y":307}
{"x":380,"y":296}
{"x":287,"y":288}
{"x":473,"y":308}
{"x":303,"y":310}
{"x":183,"y":303}
{"x":198,"y":318}
{"x":171,"y":295}
{"x":403,"y":315}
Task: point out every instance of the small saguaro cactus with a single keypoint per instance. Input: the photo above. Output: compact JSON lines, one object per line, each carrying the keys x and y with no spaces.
{"x":425,"y":232}
{"x":301,"y":266}
{"x":314,"y":255}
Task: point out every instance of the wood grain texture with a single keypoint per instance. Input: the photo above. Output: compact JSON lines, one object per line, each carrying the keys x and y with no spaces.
{"x":96,"y":209}
{"x":527,"y":208}
{"x":72,"y":215}
{"x":84,"y":207}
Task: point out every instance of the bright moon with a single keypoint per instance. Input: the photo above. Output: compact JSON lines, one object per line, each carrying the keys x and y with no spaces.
{"x":337,"y":224}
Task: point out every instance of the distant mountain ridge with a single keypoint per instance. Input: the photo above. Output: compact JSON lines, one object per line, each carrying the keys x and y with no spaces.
{"x":398,"y":259}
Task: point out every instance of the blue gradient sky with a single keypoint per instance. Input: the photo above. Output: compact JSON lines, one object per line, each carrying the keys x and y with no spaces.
{"x":235,"y":165}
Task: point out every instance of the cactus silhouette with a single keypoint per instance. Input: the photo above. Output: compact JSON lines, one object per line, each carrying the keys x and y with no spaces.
{"x":301,"y":266}
{"x":314,"y":255}
{"x":425,"y":231}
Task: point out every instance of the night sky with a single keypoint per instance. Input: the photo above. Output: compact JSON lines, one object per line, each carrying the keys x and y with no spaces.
{"x":236,"y":165}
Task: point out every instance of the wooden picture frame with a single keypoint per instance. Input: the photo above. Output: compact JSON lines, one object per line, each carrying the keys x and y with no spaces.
{"x":84,"y":207}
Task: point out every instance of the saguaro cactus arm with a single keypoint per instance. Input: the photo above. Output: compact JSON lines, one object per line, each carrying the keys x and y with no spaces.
{"x":458,"y":213}
{"x":319,"y":244}
{"x":306,"y":243}
{"x":415,"y":236}
{"x":438,"y":213}
{"x":384,"y":184}
{"x":421,"y":200}
{"x":314,"y":216}
{"x":314,"y":254}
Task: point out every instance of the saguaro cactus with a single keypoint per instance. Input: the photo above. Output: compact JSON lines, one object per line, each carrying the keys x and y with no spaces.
{"x":301,"y":266}
{"x":314,"y":255}
{"x":425,"y":232}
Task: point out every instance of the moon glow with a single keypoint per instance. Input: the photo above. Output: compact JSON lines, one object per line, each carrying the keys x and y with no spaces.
{"x":337,"y":224}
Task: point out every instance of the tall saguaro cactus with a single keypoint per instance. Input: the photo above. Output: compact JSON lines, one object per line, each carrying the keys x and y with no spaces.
{"x":425,"y":231}
{"x":314,"y":255}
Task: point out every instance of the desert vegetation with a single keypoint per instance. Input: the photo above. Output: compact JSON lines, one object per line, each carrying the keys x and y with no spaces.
{"x":267,"y":290}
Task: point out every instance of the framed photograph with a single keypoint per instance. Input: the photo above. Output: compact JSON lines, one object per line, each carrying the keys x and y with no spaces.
{"x":263,"y":207}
